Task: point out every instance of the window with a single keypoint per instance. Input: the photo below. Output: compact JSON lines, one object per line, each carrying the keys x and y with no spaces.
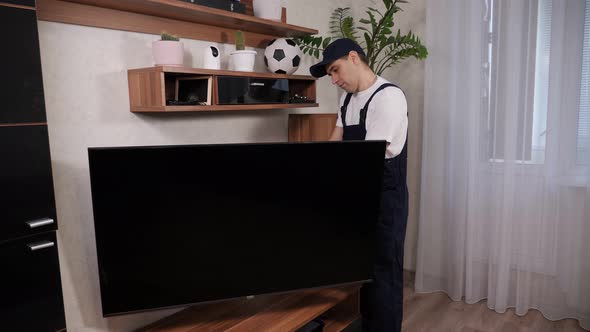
{"x":583,"y":140}
{"x":517,"y":78}
{"x":541,"y":90}
{"x":517,"y":69}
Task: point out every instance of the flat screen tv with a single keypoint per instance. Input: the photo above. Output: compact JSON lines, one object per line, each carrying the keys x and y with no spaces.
{"x":179,"y":225}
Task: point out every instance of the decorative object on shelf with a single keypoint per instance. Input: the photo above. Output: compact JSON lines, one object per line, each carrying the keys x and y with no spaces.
{"x":168,"y":51}
{"x":267,"y":9}
{"x":297,"y":99}
{"x":282,"y":56}
{"x":243,"y":60}
{"x":383,"y":47}
{"x":229,"y":5}
{"x":211,"y":58}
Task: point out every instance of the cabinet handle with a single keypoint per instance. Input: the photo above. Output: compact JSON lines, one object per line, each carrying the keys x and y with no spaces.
{"x":39,"y":222}
{"x":40,"y":245}
{"x":256,"y":84}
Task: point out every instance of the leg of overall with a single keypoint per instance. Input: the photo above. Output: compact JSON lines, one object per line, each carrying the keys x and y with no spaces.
{"x":389,"y":285}
{"x":399,"y":231}
{"x":382,"y":300}
{"x":383,"y":293}
{"x":366,"y":304}
{"x":376,"y":297}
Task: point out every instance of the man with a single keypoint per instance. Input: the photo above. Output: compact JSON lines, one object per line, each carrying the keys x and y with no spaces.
{"x":375,"y":109}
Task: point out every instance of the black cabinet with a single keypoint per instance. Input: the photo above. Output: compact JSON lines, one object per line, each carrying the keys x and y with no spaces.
{"x":21,"y":83}
{"x":20,"y":2}
{"x":26,"y":184}
{"x":30,"y":286}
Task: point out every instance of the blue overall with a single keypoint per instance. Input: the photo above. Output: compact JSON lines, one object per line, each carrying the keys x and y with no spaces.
{"x":382,"y":299}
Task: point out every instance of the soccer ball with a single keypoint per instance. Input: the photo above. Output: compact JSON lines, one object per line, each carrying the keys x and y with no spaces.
{"x":282,"y":56}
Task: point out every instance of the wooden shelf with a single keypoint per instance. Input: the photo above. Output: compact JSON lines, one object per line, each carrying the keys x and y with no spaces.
{"x":233,"y":107}
{"x":149,"y":88}
{"x":338,"y":307}
{"x":182,"y":18}
{"x":189,"y":12}
{"x":342,"y":314}
{"x":187,"y":70}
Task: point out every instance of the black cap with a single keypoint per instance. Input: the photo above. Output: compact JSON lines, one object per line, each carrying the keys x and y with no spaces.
{"x":336,"y":50}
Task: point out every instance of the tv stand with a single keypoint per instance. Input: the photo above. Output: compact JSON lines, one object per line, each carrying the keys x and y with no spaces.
{"x":338,"y":306}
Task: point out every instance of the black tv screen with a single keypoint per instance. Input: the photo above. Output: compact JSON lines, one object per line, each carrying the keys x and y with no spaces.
{"x":178,"y":225}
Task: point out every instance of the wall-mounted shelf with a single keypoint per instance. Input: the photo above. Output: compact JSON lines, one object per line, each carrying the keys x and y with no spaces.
{"x":150,"y":88}
{"x":182,"y":18}
{"x":189,"y":12}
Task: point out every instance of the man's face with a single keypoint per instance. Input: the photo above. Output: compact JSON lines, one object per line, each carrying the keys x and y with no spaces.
{"x":342,"y":73}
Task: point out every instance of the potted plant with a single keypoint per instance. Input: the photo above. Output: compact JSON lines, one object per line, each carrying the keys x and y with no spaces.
{"x":243,"y":60}
{"x":383,"y":46}
{"x":168,"y":51}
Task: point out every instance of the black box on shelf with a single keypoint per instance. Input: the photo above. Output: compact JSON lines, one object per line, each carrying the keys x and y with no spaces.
{"x":228,"y":5}
{"x":251,"y":90}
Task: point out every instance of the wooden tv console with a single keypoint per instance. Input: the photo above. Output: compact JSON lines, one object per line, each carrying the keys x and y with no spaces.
{"x":337,"y":306}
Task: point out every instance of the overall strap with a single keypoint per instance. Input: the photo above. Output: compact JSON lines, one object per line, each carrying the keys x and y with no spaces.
{"x":343,"y":109}
{"x":363,"y":115}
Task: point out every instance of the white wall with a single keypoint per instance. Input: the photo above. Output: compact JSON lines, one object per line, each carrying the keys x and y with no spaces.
{"x":85,"y":80}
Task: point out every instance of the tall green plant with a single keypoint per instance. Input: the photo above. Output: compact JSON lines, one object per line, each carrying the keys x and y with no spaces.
{"x":239,"y":40}
{"x":382,"y":46}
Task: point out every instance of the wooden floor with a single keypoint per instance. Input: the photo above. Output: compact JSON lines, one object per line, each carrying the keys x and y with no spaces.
{"x":437,"y":312}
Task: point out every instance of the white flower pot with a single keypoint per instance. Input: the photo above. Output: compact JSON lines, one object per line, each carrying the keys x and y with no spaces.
{"x":267,"y":9}
{"x":168,"y":53}
{"x":243,"y":60}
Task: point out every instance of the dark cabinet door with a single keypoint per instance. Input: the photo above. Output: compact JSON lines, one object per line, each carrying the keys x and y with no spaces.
{"x":20,"y":2}
{"x":30,"y":285}
{"x":26,"y":184}
{"x":21,"y":83}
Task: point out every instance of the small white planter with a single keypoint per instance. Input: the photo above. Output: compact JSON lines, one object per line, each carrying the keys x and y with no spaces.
{"x":168,"y":53}
{"x":243,"y":60}
{"x":267,"y":9}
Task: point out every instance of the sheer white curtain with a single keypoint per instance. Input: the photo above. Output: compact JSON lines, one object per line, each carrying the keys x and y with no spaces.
{"x":505,"y":196}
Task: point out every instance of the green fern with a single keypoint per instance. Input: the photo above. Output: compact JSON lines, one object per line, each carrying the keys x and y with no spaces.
{"x":312,"y":45}
{"x":382,"y":47}
{"x":403,"y":47}
{"x":342,"y":24}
